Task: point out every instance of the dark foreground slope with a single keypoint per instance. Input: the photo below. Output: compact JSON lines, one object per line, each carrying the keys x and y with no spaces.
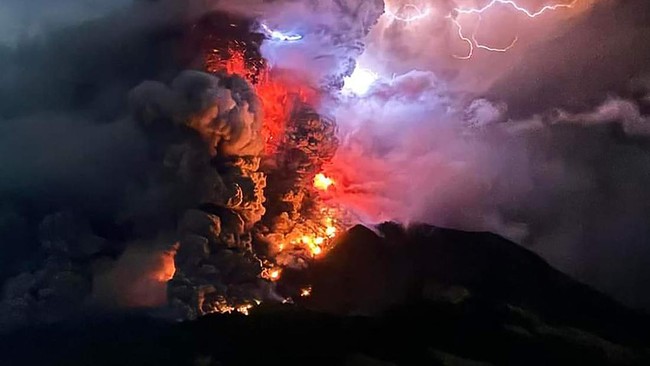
{"x":371,"y":271}
{"x":422,"y":296}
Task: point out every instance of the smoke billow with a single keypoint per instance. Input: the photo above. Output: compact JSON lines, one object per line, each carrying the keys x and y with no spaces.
{"x":100,"y":167}
{"x":428,"y":159}
{"x":140,"y":173}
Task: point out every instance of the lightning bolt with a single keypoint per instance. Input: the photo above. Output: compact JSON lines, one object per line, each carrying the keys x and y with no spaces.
{"x":280,"y":36}
{"x":472,"y":41}
{"x":488,"y":48}
{"x":464,"y":39}
{"x":545,"y":8}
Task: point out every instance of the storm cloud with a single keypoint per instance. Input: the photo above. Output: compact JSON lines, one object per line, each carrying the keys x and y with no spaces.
{"x":545,"y":144}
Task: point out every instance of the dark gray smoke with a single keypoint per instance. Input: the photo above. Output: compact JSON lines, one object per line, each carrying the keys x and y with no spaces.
{"x":21,"y":20}
{"x":99,"y":166}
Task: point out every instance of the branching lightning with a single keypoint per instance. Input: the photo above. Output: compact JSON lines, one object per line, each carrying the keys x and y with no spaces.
{"x":472,"y":41}
{"x":530,"y":14}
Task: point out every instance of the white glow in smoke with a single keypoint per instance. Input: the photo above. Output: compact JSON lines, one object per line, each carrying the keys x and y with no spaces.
{"x":280,"y":36}
{"x":416,"y":13}
{"x":360,"y":81}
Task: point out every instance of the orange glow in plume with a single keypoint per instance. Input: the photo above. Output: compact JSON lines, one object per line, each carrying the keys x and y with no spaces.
{"x":322,"y":182}
{"x":277,"y":92}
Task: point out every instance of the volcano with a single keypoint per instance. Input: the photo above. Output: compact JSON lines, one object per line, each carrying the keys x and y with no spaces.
{"x":392,"y":296}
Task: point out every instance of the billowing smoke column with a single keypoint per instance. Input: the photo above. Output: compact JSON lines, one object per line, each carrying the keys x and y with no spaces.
{"x":216,"y":180}
{"x":227,"y":115}
{"x":198,"y":124}
{"x":212,"y":174}
{"x":297,"y":226}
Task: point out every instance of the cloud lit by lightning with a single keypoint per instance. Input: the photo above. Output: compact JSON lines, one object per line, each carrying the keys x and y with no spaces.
{"x":418,"y":13}
{"x":280,"y":36}
{"x":472,"y":41}
{"x":360,"y":81}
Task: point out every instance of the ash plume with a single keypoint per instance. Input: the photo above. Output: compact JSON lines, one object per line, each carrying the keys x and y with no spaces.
{"x":180,"y":129}
{"x":115,"y":158}
{"x":142,"y":176}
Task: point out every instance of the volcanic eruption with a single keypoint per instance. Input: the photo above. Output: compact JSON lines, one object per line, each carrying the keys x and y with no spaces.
{"x":283,"y":219}
{"x":208,"y":160}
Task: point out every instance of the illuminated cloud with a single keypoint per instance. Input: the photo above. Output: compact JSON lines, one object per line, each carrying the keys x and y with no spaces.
{"x":360,"y":81}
